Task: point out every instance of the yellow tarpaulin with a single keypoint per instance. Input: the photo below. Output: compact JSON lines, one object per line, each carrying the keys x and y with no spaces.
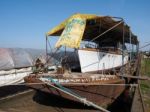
{"x":72,"y":29}
{"x":72,"y":34}
{"x":56,"y":31}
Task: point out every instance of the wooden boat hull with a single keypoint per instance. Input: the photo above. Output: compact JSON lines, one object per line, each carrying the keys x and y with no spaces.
{"x":99,"y":94}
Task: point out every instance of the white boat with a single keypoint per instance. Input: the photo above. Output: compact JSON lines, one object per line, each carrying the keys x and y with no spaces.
{"x":99,"y":61}
{"x":73,"y":80}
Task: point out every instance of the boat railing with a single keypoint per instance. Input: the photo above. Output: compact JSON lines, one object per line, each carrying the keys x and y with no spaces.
{"x":106,"y":50}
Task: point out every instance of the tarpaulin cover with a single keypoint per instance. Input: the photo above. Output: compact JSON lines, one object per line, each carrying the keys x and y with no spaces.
{"x":95,"y":25}
{"x":16,"y":58}
{"x":56,"y":31}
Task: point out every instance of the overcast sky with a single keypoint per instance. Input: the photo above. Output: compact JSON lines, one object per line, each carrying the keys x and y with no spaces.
{"x":23,"y":23}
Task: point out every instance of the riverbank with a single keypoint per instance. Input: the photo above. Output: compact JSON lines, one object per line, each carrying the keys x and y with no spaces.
{"x":145,"y":85}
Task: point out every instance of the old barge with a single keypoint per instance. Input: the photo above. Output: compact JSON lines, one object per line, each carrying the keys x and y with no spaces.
{"x":90,"y":72}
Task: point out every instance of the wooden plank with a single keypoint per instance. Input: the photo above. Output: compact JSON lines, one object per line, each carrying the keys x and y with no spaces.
{"x":135,"y":77}
{"x":137,"y":104}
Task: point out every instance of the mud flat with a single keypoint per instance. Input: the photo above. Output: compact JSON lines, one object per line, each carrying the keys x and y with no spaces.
{"x":32,"y":101}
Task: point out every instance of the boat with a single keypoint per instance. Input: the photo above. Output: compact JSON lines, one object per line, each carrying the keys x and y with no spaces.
{"x":90,"y":71}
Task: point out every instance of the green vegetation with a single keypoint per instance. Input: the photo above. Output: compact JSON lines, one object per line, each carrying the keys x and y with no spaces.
{"x":145,"y":67}
{"x":145,"y":85}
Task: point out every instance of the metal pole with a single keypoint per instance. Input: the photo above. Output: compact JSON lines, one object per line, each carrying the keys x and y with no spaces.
{"x":131,"y":48}
{"x":46,"y":51}
{"x":137,"y":49}
{"x":123,"y":50}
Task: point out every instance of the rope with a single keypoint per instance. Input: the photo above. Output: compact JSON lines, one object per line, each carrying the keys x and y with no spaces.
{"x":107,"y":31}
{"x":60,"y":86}
{"x":81,"y":99}
{"x":49,"y":45}
{"x":22,"y":84}
{"x":133,"y":85}
{"x":52,"y":55}
{"x":144,"y":46}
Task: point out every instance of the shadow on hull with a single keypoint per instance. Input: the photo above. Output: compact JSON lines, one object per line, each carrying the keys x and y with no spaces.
{"x":58,"y":101}
{"x":121,"y":104}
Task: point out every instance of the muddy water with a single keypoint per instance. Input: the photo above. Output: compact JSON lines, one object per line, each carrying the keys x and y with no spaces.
{"x":32,"y":101}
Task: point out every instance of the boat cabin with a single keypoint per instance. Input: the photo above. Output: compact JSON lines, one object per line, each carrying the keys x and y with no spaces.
{"x":98,"y":43}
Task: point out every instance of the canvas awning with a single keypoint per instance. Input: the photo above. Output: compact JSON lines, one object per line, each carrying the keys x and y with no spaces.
{"x":94,"y":26}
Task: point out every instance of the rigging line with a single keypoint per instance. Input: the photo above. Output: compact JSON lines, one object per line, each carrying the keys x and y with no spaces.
{"x":107,"y":30}
{"x":49,"y":58}
{"x":53,"y":53}
{"x":40,"y":83}
{"x":49,"y":45}
{"x":144,"y":46}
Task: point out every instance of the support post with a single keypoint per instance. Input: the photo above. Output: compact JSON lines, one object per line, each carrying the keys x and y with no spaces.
{"x":122,"y":49}
{"x":46,"y":51}
{"x":131,"y":48}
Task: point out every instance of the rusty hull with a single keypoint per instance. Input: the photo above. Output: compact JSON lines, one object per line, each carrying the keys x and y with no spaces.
{"x":93,"y":91}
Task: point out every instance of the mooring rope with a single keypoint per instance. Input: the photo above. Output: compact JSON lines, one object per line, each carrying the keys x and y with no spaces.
{"x":81,"y":99}
{"x":60,"y":86}
{"x":133,"y":85}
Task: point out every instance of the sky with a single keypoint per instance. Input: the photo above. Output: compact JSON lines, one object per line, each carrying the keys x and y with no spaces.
{"x":24,"y":23}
